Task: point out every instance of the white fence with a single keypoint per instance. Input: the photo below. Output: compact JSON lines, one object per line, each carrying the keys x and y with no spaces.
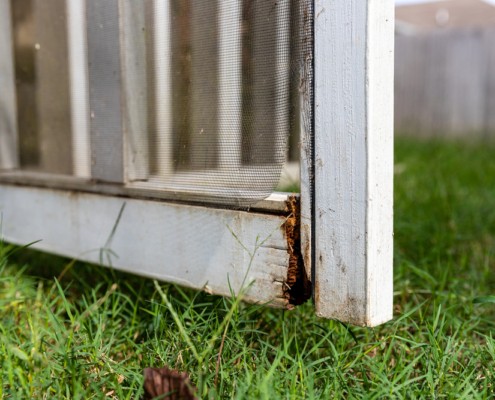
{"x":445,"y":83}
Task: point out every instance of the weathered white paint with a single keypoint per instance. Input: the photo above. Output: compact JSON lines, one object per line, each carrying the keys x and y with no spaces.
{"x":9,"y":157}
{"x":194,"y":246}
{"x":78,"y":77}
{"x":353,"y":160}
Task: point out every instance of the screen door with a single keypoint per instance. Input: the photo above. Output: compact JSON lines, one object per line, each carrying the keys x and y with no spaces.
{"x":210,"y":143}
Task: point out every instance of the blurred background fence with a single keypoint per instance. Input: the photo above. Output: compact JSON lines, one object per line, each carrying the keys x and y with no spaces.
{"x":445,"y":69}
{"x":445,"y":83}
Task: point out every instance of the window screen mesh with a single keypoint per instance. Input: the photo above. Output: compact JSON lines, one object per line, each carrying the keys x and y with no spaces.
{"x":197,"y":97}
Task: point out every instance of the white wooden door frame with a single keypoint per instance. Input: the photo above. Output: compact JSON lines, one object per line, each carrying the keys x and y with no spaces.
{"x":353,"y":160}
{"x":342,"y":236}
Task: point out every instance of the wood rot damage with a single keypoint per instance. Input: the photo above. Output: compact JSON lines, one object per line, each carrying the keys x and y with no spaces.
{"x":298,"y":288}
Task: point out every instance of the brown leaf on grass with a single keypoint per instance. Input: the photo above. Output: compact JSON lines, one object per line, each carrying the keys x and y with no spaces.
{"x":167,"y":384}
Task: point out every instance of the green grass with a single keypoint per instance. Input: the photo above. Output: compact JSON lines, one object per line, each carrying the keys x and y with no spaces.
{"x":89,"y":332}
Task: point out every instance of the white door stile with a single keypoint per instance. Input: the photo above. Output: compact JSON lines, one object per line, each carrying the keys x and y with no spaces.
{"x":353,"y":160}
{"x":78,"y":77}
{"x":198,"y":247}
{"x":162,"y":42}
{"x":9,"y":154}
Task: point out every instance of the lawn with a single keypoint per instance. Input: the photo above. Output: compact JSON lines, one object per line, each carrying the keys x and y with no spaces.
{"x":75,"y":331}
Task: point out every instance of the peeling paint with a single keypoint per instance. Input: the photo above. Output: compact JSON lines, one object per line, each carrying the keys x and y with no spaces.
{"x":297,"y":288}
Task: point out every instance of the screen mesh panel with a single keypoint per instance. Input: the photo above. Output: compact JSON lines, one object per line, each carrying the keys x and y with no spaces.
{"x":197,"y":97}
{"x":42,"y":84}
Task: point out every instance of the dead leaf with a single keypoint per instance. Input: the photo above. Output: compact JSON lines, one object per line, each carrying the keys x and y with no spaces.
{"x":167,"y":384}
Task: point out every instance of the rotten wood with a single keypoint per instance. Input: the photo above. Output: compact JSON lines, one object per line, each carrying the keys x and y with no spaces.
{"x":298,"y":286}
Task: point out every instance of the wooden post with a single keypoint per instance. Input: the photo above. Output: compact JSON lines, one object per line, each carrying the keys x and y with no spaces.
{"x":353,"y":160}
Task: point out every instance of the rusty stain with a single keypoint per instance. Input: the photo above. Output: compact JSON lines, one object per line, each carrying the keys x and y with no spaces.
{"x":297,"y":288}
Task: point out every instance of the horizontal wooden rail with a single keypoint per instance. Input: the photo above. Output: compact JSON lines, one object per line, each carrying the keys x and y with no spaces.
{"x":198,"y":247}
